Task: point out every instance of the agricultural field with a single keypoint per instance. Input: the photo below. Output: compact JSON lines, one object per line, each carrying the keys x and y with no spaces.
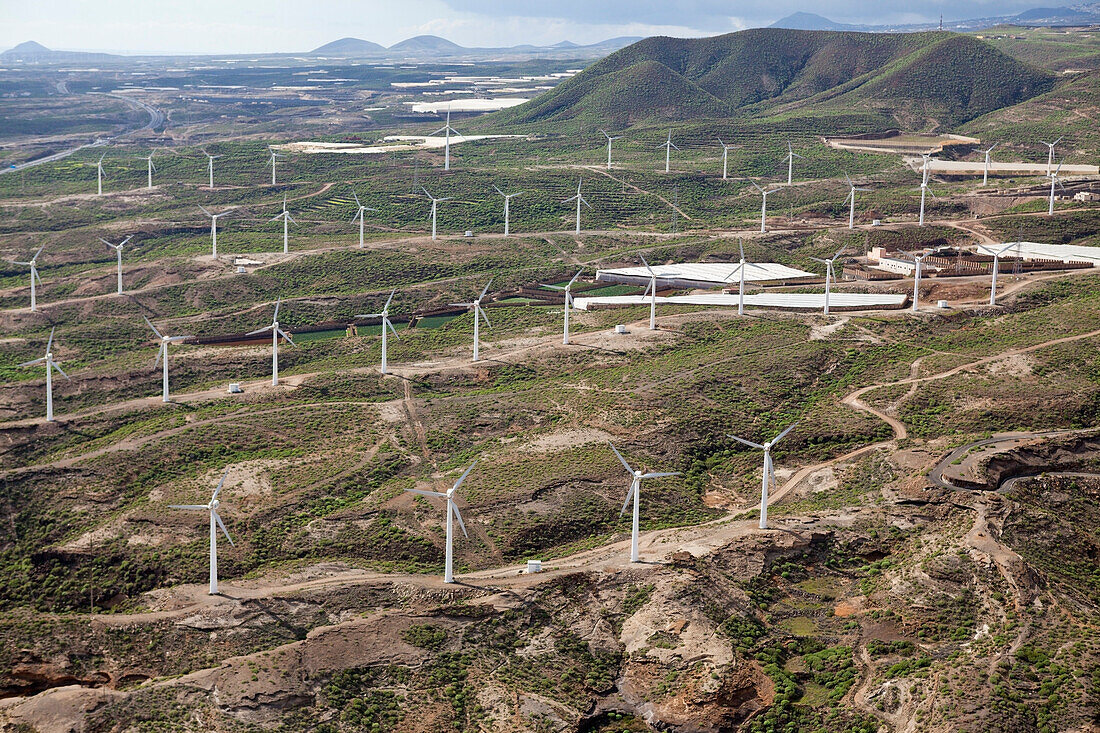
{"x":879,"y":597}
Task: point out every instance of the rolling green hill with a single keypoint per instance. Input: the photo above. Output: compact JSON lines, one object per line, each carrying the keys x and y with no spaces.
{"x":941,"y":78}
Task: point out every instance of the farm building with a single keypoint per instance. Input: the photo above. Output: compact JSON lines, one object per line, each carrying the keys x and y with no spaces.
{"x":1036,"y":251}
{"x":707,"y":274}
{"x":778,"y":301}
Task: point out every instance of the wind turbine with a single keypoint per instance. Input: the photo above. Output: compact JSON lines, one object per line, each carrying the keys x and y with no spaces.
{"x":764,"y":206}
{"x":360,"y":217}
{"x":580,"y":200}
{"x":668,"y":145}
{"x":852,"y":195}
{"x":162,"y":357}
{"x":1050,"y":153}
{"x":924,"y":188}
{"x":118,"y":250}
{"x":829,"y":275}
{"x":568,"y":302}
{"x":276,"y":332}
{"x":609,"y":139}
{"x":635,"y":489}
{"x":651,"y":291}
{"x":385,"y":316}
{"x":741,"y":288}
{"x":791,"y":155}
{"x":214,"y":229}
{"x":274,"y":155}
{"x":1053,"y":180}
{"x":507,"y":200}
{"x":452,"y":510}
{"x":50,"y":366}
{"x":725,"y":157}
{"x":769,"y":470}
{"x":99,"y":175}
{"x":996,"y":264}
{"x":150,"y":169}
{"x":286,"y":217}
{"x":918,"y":262}
{"x":476,"y":309}
{"x":33,"y":264}
{"x":210,"y":165}
{"x":447,"y":145}
{"x":215,"y":523}
{"x":435,"y":207}
{"x":985,"y":174}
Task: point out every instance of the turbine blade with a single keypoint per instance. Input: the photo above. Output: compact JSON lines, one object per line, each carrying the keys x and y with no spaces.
{"x":660,"y":475}
{"x":193,"y":507}
{"x":225,"y":531}
{"x":50,"y":342}
{"x":462,"y":478}
{"x":56,"y":366}
{"x":278,"y":303}
{"x":741,"y":247}
{"x":620,"y":457}
{"x":389,"y":300}
{"x":485,"y":289}
{"x":393,"y":329}
{"x":422,"y":492}
{"x":44,"y":247}
{"x":747,"y":442}
{"x":286,"y":335}
{"x":485,"y":316}
{"x":220,"y":484}
{"x":258,"y":330}
{"x":205,"y":211}
{"x":357,"y":201}
{"x":780,"y":436}
{"x":39,"y":360}
{"x":458,"y":516}
{"x":841,"y":249}
{"x":629,"y":496}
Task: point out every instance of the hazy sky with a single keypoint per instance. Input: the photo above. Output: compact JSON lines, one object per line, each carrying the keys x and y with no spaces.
{"x":254,"y":26}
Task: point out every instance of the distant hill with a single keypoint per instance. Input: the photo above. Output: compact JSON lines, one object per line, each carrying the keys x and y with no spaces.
{"x":1079,"y":15}
{"x":941,"y":76}
{"x":349,"y":47}
{"x":30,"y":52}
{"x":427,"y":44}
{"x":811,"y":22}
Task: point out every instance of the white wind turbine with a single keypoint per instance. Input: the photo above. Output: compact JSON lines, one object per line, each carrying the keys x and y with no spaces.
{"x":452,"y":511}
{"x":435,"y":208}
{"x":476,"y":309}
{"x":769,"y":470}
{"x":118,"y":251}
{"x":286,"y":217}
{"x":215,"y":523}
{"x":447,"y":144}
{"x":360,"y":216}
{"x":214,"y":229}
{"x":276,"y":332}
{"x":764,"y":206}
{"x":507,"y":205}
{"x":830,"y":275}
{"x":985,"y":173}
{"x":996,"y":264}
{"x":33,"y":264}
{"x":50,"y":366}
{"x":668,"y":145}
{"x":150,"y":169}
{"x":609,"y":139}
{"x":651,"y":291}
{"x":635,"y":489}
{"x":274,"y":155}
{"x":99,"y":175}
{"x":852,"y":196}
{"x":580,"y":200}
{"x":791,"y":155}
{"x":568,"y":302}
{"x":385,"y":316}
{"x":1053,"y":176}
{"x":725,"y":157}
{"x":162,"y":357}
{"x":741,"y":272}
{"x":924,"y":187}
{"x":1050,"y":153}
{"x":210,"y":165}
{"x":918,"y":263}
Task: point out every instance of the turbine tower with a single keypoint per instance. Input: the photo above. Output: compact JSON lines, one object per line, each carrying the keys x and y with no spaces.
{"x":150,"y":169}
{"x":609,"y":139}
{"x":452,"y":510}
{"x":996,"y":264}
{"x":118,"y":250}
{"x":276,"y":332}
{"x":568,"y":302}
{"x":99,"y":175}
{"x":33,"y":264}
{"x":830,"y":275}
{"x":507,"y":201}
{"x":651,"y":291}
{"x":1053,"y":176}
{"x":636,"y":478}
{"x":385,"y":316}
{"x":274,"y":155}
{"x":725,"y":158}
{"x":214,"y":229}
{"x":764,"y":206}
{"x":852,"y":196}
{"x":210,"y":165}
{"x":769,"y":470}
{"x":359,"y":215}
{"x":447,"y":129}
{"x":985,"y":173}
{"x":435,"y":208}
{"x":918,"y":261}
{"x":740,"y":269}
{"x":215,"y":523}
{"x":50,"y":366}
{"x":924,"y":188}
{"x":1050,"y":153}
{"x":668,"y":145}
{"x":162,"y":357}
{"x":476,"y":309}
{"x":286,"y":217}
{"x":791,"y":155}
{"x":580,"y":200}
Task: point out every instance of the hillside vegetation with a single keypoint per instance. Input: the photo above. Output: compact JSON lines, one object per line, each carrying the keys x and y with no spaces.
{"x":939,"y":78}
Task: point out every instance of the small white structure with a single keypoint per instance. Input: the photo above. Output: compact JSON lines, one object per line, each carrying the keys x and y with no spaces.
{"x":942,"y":304}
{"x":1086,"y":196}
{"x":235,"y":388}
{"x":468,"y":233}
{"x":620,"y":328}
{"x":241,"y":270}
{"x":534,"y":566}
{"x":902,"y":267}
{"x":782,"y":301}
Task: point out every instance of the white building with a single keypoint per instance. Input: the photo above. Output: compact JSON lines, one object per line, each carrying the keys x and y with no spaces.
{"x":706,"y":274}
{"x":1039,"y":251}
